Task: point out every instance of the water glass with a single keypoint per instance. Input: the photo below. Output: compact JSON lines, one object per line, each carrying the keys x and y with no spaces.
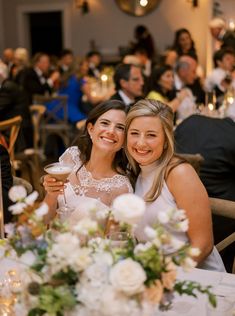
{"x":118,"y":239}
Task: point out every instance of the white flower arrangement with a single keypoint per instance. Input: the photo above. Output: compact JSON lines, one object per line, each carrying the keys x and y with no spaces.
{"x":79,"y":272}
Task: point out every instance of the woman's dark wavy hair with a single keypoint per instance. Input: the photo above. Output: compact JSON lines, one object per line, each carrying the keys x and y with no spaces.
{"x":176,"y":45}
{"x":157,"y":72}
{"x":84,"y":142}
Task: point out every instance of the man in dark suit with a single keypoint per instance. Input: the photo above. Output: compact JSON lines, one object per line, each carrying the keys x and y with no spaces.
{"x":13,"y":102}
{"x":129,"y":83}
{"x":219,"y":32}
{"x":7,"y":181}
{"x":36,"y":80}
{"x":214,"y":139}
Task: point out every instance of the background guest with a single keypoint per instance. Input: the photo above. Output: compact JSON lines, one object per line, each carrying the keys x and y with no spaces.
{"x":214,"y":140}
{"x":128,"y":82}
{"x":183,"y":43}
{"x":7,"y":181}
{"x":37,"y":79}
{"x":226,"y":38}
{"x":94,"y":62}
{"x":144,"y":39}
{"x":162,"y":87}
{"x":13,"y":102}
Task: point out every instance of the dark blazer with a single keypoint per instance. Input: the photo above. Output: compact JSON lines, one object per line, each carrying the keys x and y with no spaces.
{"x":13,"y":102}
{"x":228,"y":40}
{"x":7,"y":181}
{"x":214,"y":139}
{"x":116,"y":96}
{"x":32,"y":84}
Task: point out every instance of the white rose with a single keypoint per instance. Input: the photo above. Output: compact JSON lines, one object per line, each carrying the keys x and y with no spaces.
{"x":128,"y":276}
{"x":163,"y":217}
{"x":10,"y":229}
{"x":128,"y":208}
{"x":17,"y":208}
{"x":30,"y":199}
{"x":188,"y":264}
{"x":142,"y":247}
{"x":85,"y":226}
{"x":17,"y":193}
{"x":150,"y":232}
{"x":182,"y":226}
{"x":41,"y":211}
{"x":28,"y":258}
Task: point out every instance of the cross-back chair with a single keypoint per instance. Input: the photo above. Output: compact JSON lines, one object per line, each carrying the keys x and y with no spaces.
{"x":224,"y":208}
{"x":55,"y":118}
{"x":10,"y":129}
{"x":194,"y":159}
{"x":37,"y":111}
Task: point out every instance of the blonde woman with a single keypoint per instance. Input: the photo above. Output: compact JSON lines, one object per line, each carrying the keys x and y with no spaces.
{"x":165,"y":181}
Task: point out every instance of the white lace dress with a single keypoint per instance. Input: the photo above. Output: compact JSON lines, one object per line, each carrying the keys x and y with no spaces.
{"x":84,"y":193}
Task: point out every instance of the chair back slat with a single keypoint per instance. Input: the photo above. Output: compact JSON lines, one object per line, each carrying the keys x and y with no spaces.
{"x":56,"y":108}
{"x":12,"y":126}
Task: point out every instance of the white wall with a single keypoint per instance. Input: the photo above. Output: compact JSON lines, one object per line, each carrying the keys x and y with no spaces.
{"x":110,"y":27}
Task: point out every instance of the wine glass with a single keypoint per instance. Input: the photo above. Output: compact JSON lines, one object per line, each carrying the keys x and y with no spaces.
{"x":61,"y":171}
{"x":118,"y":239}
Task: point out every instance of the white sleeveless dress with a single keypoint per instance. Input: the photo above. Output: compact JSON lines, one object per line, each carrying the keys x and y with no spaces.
{"x":164,"y":202}
{"x":84,"y":193}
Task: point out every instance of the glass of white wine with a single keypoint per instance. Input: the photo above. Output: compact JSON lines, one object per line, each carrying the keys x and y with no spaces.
{"x":60,"y":171}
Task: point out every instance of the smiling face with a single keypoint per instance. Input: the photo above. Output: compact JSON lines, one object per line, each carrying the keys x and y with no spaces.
{"x":145,"y":139}
{"x":107,"y":133}
{"x":185,"y":41}
{"x":166,"y":81}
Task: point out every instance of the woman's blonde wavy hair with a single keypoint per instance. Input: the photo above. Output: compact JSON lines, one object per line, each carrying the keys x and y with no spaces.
{"x":158,"y":109}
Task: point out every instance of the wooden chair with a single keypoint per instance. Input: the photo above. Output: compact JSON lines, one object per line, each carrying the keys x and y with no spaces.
{"x":11,"y":127}
{"x":194,"y":159}
{"x":55,"y":119}
{"x":37,"y":111}
{"x":24,"y":183}
{"x":224,"y":208}
{"x":80,"y":124}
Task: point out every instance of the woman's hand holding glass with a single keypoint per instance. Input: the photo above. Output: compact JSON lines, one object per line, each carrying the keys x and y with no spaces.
{"x":54,"y":184}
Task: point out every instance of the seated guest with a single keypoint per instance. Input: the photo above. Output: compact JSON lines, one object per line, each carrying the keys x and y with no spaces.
{"x":21,"y":62}
{"x":225,"y":37}
{"x":223,"y":75}
{"x":36,"y":79}
{"x":145,"y":62}
{"x":143,"y":38}
{"x":162,"y":87}
{"x":214,"y":140}
{"x":94,"y":62}
{"x":8,"y":57}
{"x":7,"y":181}
{"x":128,"y":82}
{"x":13,"y":102}
{"x":185,"y":76}
{"x":165,"y":181}
{"x":66,"y":61}
{"x":183,"y":43}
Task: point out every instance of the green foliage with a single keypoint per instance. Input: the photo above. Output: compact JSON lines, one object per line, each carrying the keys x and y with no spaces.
{"x":190,"y":287}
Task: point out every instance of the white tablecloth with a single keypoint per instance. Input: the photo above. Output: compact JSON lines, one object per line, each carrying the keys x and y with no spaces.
{"x":223,"y":285}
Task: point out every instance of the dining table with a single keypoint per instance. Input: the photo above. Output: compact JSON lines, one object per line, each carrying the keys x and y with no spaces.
{"x":222,"y":286}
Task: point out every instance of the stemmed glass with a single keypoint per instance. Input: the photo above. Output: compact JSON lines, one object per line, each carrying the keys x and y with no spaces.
{"x":60,"y":171}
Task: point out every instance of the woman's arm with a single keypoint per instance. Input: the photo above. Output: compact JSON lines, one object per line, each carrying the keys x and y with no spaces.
{"x":190,"y":195}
